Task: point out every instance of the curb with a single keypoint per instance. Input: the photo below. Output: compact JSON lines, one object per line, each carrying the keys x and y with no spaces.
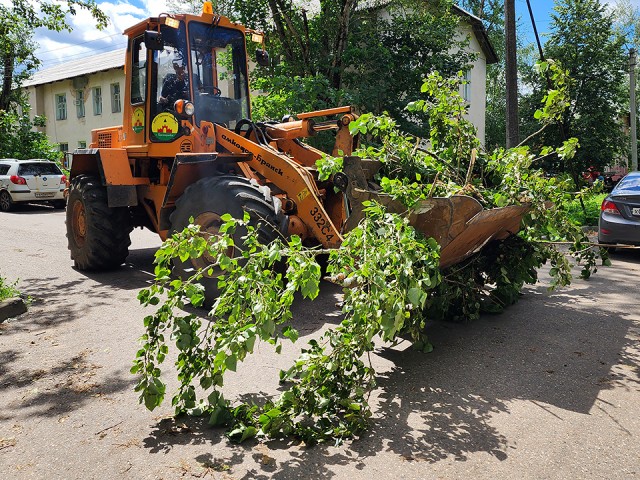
{"x":12,"y":307}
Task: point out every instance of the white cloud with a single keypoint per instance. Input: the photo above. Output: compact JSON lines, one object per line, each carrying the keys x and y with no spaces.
{"x":634,"y":3}
{"x":86,"y":39}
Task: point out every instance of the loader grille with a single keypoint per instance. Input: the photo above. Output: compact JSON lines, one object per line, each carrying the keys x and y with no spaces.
{"x":186,"y":147}
{"x":104,"y":140}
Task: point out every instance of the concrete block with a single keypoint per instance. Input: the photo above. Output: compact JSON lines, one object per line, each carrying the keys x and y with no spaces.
{"x":11,"y":307}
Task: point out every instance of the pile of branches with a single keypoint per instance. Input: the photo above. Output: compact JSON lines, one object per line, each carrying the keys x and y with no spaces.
{"x":391,"y":275}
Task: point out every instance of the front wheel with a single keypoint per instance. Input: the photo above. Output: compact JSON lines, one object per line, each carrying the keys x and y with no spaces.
{"x":206,"y":201}
{"x":98,"y":235}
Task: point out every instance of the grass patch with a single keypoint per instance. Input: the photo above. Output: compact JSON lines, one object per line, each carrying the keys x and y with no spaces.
{"x":592,"y":206}
{"x":8,"y":290}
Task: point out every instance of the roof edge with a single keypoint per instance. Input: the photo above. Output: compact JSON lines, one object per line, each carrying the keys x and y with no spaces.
{"x":480,"y":32}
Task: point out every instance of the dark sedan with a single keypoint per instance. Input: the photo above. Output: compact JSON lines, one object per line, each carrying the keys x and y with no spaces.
{"x":620,"y":213}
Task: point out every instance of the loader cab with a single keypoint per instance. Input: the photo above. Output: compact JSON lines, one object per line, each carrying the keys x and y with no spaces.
{"x":186,"y":69}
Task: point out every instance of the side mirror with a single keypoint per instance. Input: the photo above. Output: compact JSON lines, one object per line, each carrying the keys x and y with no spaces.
{"x":262,"y":57}
{"x":153,"y":40}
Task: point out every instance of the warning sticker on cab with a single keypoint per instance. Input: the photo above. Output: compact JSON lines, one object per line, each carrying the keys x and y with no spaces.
{"x":304,"y":193}
{"x":165,"y":126}
{"x":137,"y":120}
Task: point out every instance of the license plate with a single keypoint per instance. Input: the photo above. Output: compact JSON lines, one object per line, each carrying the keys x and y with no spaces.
{"x":635,"y":211}
{"x":45,"y":195}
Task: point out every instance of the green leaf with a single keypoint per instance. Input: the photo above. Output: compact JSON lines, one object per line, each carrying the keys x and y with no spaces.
{"x":250,"y":343}
{"x":218,"y":417}
{"x":231,"y":362}
{"x":415,"y":296}
{"x":290,"y":333}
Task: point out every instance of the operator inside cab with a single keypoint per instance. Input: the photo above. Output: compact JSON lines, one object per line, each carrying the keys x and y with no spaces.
{"x":175,"y":86}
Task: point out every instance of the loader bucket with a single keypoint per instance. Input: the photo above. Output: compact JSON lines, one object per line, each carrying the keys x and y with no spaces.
{"x":461,"y":226}
{"x":458,"y":223}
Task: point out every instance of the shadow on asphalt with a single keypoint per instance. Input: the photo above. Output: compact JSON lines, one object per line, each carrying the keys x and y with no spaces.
{"x":630,"y":255}
{"x":557,"y":351}
{"x":31,"y":209}
{"x":57,"y":296}
{"x":135,"y":274}
{"x":61,"y":388}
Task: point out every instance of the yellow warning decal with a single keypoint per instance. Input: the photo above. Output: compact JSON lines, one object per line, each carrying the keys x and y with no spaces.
{"x":137,"y":120}
{"x":304,"y":193}
{"x":165,"y":126}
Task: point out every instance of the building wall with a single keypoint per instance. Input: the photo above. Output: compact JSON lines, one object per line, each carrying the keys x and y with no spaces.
{"x":73,"y":131}
{"x":477,"y":78}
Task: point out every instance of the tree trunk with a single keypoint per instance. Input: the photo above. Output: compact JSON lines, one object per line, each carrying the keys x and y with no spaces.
{"x":8,"y":57}
{"x":7,"y":81}
{"x":281,"y":31}
{"x":347,"y":7}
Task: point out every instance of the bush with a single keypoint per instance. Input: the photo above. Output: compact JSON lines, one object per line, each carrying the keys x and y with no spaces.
{"x":592,"y":206}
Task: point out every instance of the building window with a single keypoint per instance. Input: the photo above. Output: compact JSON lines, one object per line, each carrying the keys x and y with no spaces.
{"x":64,"y":147}
{"x":61,"y":106}
{"x":115,"y":98}
{"x":80,"y":103}
{"x":97,"y":101}
{"x":82,"y":144}
{"x":466,"y":87}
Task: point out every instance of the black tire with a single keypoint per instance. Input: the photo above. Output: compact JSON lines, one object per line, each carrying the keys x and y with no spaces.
{"x":60,"y":204}
{"x":6,"y":204}
{"x":609,"y":247}
{"x":206,"y":201}
{"x":98,"y":235}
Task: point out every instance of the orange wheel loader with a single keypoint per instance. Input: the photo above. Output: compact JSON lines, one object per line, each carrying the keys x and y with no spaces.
{"x":188,"y":148}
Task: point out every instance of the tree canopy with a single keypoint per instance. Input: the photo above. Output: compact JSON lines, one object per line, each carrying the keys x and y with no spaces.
{"x":370,"y":54}
{"x":18,"y":23}
{"x":584,"y":40}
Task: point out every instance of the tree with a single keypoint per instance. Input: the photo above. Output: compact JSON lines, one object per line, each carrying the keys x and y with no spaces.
{"x":19,"y":137}
{"x":389,"y":56}
{"x":17,"y":62}
{"x":370,"y":54}
{"x":583,"y":39}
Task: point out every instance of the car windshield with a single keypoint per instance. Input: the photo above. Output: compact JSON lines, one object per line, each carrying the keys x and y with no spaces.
{"x":39,"y":168}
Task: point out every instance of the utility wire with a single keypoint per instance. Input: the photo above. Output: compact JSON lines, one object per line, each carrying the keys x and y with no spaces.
{"x":77,"y":44}
{"x":82,"y":55}
{"x":535,"y":31}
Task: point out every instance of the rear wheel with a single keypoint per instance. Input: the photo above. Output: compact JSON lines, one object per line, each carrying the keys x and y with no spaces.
{"x":98,"y":235}
{"x":206,"y":201}
{"x":59,"y":204}
{"x":6,"y":204}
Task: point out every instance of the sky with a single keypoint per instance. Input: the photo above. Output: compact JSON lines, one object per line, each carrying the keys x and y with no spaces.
{"x":86,"y":40}
{"x":542,"y":10}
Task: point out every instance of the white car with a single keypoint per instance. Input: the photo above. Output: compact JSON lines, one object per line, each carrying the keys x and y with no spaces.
{"x":30,"y":181}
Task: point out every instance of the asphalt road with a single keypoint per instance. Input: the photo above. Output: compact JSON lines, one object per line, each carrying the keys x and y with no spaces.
{"x":548,"y":390}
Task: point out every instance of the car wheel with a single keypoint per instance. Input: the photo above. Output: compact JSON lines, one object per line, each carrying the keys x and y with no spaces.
{"x":6,"y":204}
{"x":98,"y":235}
{"x":60,"y":204}
{"x":609,"y":247}
{"x":206,"y":201}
